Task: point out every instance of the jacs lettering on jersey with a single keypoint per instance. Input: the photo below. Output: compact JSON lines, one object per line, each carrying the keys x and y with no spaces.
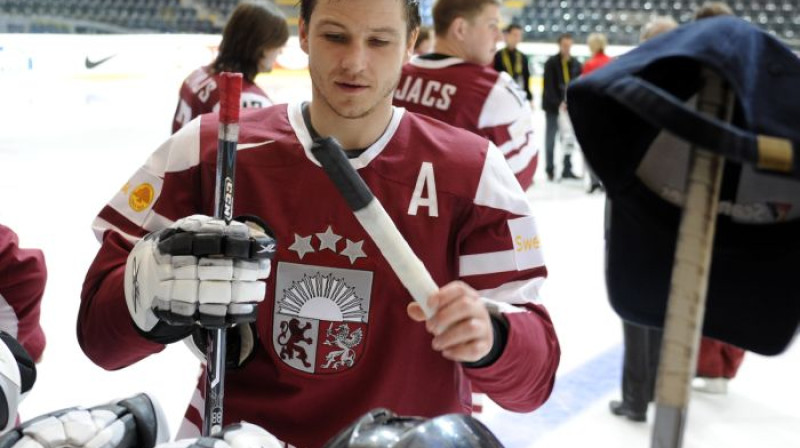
{"x":475,"y":98}
{"x":428,"y":93}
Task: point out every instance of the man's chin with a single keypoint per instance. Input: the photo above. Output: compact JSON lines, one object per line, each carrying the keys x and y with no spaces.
{"x":351,"y":113}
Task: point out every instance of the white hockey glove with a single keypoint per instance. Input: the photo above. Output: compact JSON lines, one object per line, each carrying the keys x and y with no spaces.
{"x":197,"y":271}
{"x":238,"y":435}
{"x":17,"y":375}
{"x":136,"y":422}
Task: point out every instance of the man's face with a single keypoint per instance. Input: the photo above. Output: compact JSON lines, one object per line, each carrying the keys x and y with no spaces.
{"x":482,"y":35}
{"x":565,"y":46}
{"x":268,"y":56}
{"x":356,"y":49}
{"x":513,"y":38}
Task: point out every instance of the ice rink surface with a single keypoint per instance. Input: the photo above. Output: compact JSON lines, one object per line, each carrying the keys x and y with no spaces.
{"x":66,"y":146}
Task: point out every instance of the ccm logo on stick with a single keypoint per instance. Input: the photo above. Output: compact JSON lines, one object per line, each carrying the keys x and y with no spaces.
{"x":228,"y":200}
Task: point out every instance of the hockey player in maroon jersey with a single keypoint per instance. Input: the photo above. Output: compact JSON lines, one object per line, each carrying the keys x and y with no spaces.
{"x":253,"y":37}
{"x":457,"y":84}
{"x":335,"y":334}
{"x":23,"y":275}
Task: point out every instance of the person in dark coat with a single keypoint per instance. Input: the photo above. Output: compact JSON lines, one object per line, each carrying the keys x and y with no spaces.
{"x":559,"y":70}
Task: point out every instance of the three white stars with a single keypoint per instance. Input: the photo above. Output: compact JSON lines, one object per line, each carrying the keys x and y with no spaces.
{"x":328,"y":239}
{"x":353,"y":251}
{"x":301,"y":245}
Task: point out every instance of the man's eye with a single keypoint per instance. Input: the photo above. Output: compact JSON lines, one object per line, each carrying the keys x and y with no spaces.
{"x":334,"y":37}
{"x":378,"y":42}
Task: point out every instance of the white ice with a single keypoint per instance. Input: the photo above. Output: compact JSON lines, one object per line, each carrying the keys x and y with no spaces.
{"x":67,"y":144}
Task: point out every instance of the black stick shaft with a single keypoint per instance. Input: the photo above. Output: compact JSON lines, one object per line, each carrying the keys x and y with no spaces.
{"x":230,"y":94}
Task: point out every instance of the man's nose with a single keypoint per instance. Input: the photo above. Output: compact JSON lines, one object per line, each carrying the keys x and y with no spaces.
{"x":354,"y":58}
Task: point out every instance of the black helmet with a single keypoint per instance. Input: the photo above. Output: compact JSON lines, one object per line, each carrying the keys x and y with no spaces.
{"x":382,"y":428}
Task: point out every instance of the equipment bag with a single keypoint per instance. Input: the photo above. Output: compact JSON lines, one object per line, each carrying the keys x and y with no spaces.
{"x":636,"y":123}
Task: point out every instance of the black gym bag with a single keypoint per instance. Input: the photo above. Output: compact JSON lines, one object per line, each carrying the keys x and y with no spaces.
{"x":635,"y":121}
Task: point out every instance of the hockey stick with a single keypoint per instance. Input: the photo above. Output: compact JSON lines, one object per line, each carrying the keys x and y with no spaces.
{"x":687,"y":299}
{"x":374,"y":219}
{"x":230,"y":94}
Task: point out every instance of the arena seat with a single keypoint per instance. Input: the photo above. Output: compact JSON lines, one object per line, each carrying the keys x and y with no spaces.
{"x":621,"y":20}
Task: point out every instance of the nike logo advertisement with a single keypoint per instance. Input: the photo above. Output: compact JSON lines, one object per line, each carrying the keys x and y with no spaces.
{"x":92,"y":64}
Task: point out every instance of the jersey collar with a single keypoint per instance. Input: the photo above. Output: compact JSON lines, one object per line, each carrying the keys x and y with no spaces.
{"x":295,"y":114}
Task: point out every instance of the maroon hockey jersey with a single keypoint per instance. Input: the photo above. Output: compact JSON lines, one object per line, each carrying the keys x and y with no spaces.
{"x":199,"y":95}
{"x":476,"y":98}
{"x":23,"y":275}
{"x":335,"y":339}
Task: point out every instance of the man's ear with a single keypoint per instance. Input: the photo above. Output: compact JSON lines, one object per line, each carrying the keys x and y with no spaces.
{"x":412,"y":40}
{"x":459,"y":28}
{"x":302,"y":34}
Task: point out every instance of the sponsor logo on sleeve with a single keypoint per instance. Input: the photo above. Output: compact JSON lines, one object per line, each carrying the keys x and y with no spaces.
{"x":141,"y":197}
{"x":527,"y":246}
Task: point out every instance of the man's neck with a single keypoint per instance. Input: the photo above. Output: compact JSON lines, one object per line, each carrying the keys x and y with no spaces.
{"x":352,"y":133}
{"x":444,"y":46}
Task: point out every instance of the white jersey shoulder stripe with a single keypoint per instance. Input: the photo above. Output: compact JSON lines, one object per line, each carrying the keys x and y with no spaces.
{"x":522,"y":159}
{"x":156,"y":222}
{"x":179,"y":153}
{"x":435,"y":63}
{"x":100,"y":225}
{"x":490,"y":263}
{"x":505,"y":103}
{"x":498,"y":188}
{"x":514,"y":293}
{"x":487,"y":263}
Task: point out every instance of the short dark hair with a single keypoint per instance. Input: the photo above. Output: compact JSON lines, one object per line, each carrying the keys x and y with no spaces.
{"x":712,"y":9}
{"x":512,"y":27}
{"x":251,"y":29}
{"x":446,"y":11}
{"x":424,"y":34}
{"x":412,"y":13}
{"x":564,"y":36}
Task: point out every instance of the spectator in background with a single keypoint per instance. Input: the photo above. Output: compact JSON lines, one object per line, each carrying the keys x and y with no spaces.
{"x":425,"y":39}
{"x":253,"y":37}
{"x":597,"y":46}
{"x":717,"y":362}
{"x":457,"y":85}
{"x":642,"y":344}
{"x":711,"y":9}
{"x":658,"y":25}
{"x":513,"y":61}
{"x":597,"y":43}
{"x":559,"y":70}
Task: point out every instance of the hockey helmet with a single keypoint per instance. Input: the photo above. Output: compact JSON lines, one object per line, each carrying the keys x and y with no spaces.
{"x":382,"y":428}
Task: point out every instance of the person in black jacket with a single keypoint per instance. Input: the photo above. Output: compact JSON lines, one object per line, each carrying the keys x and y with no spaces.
{"x":559,"y":70}
{"x":513,"y":61}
